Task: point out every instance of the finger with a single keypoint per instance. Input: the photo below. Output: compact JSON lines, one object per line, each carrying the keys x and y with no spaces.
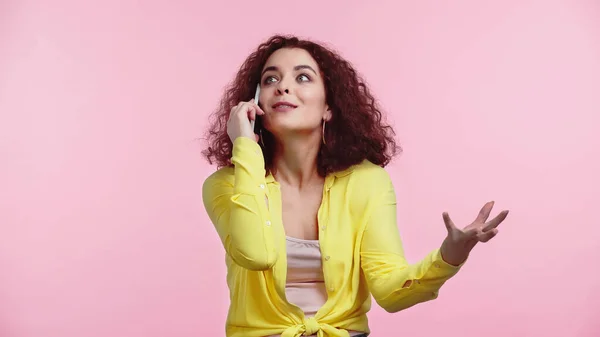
{"x":231,"y":111}
{"x":251,"y":111}
{"x":495,"y":222}
{"x":484,"y":213}
{"x":250,"y":104}
{"x":487,"y":236}
{"x":471,"y":233}
{"x":234,"y":109}
{"x":448,"y":222}
{"x":259,"y":110}
{"x":242,"y":110}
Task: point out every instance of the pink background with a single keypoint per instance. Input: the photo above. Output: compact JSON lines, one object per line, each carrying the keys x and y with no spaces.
{"x":102,"y":228}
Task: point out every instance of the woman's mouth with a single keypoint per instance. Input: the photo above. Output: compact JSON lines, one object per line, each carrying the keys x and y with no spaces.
{"x":284,"y":107}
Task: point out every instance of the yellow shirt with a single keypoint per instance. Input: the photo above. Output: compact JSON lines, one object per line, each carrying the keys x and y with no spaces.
{"x":360,"y":244}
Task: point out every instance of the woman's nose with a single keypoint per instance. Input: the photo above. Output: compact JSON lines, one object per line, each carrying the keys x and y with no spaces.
{"x":282,"y":87}
{"x":280,"y":91}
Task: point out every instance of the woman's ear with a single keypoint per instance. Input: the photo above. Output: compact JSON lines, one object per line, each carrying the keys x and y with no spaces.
{"x":328,"y":114}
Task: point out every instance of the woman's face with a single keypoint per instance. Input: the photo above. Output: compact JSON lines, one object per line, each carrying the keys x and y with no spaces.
{"x":292,"y":93}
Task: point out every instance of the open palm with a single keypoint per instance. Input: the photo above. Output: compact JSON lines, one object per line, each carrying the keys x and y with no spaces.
{"x":460,"y":242}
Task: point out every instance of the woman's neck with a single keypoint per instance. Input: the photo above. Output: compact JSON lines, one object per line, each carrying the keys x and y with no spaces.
{"x":295,"y":161}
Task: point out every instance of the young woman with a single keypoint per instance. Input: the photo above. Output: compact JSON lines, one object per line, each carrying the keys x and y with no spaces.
{"x":302,"y":203}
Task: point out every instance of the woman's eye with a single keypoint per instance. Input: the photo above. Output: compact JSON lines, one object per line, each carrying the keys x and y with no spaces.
{"x":269,"y":80}
{"x":303,"y":78}
{"x":300,"y":78}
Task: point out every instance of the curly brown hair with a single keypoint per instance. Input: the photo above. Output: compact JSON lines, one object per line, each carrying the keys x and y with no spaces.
{"x":355,"y":132}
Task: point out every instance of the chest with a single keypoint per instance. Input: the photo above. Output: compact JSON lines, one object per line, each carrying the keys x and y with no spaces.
{"x":299,"y":212}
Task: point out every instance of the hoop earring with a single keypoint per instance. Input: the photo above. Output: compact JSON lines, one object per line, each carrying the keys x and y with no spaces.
{"x":260,"y":136}
{"x":323,"y":133}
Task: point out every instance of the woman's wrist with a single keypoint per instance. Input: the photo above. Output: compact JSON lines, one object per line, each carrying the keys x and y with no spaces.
{"x":453,"y":255}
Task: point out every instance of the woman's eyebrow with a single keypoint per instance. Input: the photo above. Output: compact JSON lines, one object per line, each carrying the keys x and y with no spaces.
{"x":296,"y":68}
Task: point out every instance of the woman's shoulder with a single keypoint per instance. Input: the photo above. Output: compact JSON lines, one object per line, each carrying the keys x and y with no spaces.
{"x":365,"y":171}
{"x":363,"y":186}
{"x":223,"y":175}
{"x":364,"y":182}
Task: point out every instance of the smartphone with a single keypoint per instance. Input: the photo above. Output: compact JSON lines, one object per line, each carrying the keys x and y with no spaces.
{"x":255,"y":124}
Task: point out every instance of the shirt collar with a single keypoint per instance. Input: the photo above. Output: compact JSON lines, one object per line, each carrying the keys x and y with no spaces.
{"x":329,"y":180}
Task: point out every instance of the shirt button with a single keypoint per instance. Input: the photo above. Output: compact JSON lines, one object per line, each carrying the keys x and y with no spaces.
{"x":323,"y":227}
{"x":331,"y":289}
{"x":268,"y":223}
{"x":262,"y":186}
{"x":437,"y":265}
{"x":327,"y":258}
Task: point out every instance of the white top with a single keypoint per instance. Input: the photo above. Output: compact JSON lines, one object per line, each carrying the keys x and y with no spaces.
{"x":305,"y":285}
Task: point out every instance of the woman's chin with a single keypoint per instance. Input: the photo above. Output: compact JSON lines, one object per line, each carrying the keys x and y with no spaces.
{"x":292,"y":130}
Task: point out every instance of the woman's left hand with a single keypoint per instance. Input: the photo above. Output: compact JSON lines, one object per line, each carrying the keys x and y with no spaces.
{"x":459,"y":242}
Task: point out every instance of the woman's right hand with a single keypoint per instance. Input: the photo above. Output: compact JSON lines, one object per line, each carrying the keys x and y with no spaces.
{"x":240,"y":116}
